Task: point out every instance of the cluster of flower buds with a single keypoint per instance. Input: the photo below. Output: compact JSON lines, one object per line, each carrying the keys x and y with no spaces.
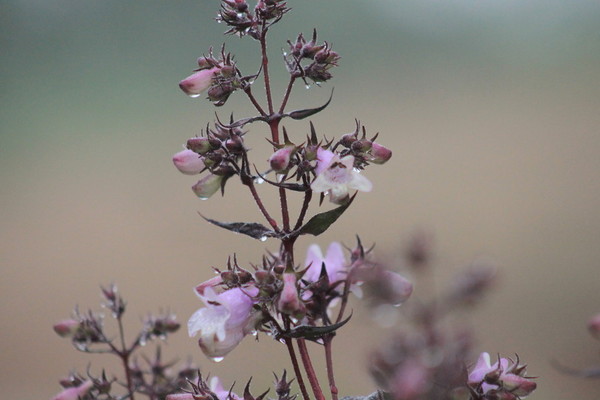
{"x":417,"y":365}
{"x":327,"y":170}
{"x":218,"y":76}
{"x":83,"y":330}
{"x":158,"y":327}
{"x":311,"y":60}
{"x":219,"y":152}
{"x":238,"y":302}
{"x":504,"y":380}
{"x":236,"y":14}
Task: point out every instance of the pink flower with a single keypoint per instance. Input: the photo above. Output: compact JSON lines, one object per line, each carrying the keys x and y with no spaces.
{"x":289,"y":302}
{"x":66,"y":327}
{"x":74,"y":393}
{"x":335,"y":263}
{"x":225,"y":320}
{"x":337,"y":176}
{"x":188,"y":162}
{"x":198,"y":82}
{"x":504,"y":375}
{"x":217,"y":388}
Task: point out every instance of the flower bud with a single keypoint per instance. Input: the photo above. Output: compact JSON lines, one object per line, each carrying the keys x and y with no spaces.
{"x":594,"y":326}
{"x":188,"y":162}
{"x":235,"y":144}
{"x":74,"y":393}
{"x":207,"y":186}
{"x":361,"y":146}
{"x":289,"y":302}
{"x":198,"y":82}
{"x":66,"y":327}
{"x":280,"y":160}
{"x":379,"y":154}
{"x":200,"y":145}
{"x":518,"y":385}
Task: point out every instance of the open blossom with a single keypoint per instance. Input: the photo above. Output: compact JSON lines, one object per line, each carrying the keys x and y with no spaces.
{"x":502,"y":376}
{"x":335,"y":263}
{"x":198,"y":82}
{"x":74,"y":393}
{"x":226,"y":319}
{"x":337,"y":176}
{"x":188,"y":162}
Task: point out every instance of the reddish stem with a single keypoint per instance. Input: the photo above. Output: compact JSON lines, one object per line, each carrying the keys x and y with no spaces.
{"x":261,"y":206}
{"x":299,"y":378}
{"x":288,"y":91}
{"x":310,"y":372}
{"x":329,"y":363}
{"x":265,"y":65}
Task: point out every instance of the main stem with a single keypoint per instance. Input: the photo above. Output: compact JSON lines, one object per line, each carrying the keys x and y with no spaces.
{"x":124,"y":355}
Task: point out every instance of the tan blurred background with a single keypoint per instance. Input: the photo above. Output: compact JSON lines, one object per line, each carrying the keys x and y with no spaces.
{"x":491,"y":108}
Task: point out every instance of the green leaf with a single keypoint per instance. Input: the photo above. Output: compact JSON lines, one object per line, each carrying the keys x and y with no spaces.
{"x":321,"y":222}
{"x":301,"y":114}
{"x":252,"y":229}
{"x":315,"y":332}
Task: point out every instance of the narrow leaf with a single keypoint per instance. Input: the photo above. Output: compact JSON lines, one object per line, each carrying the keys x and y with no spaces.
{"x":321,"y":222}
{"x":252,"y":229}
{"x":301,"y":114}
{"x":315,"y":332}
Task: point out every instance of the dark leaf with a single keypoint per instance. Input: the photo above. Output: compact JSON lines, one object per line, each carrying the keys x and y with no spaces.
{"x":321,"y":222}
{"x":315,"y":332}
{"x":252,"y":229}
{"x":301,"y":114}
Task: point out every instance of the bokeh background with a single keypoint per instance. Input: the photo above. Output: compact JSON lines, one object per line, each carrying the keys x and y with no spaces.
{"x":492,"y":109}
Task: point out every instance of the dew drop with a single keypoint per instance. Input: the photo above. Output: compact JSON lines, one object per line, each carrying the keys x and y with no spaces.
{"x":194,"y":95}
{"x":263,"y":239}
{"x":203,"y":197}
{"x":217,"y":359}
{"x":254,"y":333}
{"x":259,"y":180}
{"x":307,"y":87}
{"x":282,"y":341}
{"x":285,"y":53}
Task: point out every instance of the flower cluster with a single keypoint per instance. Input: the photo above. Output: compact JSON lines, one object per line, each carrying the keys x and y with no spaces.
{"x":311,"y":60}
{"x":503,"y":380}
{"x":239,"y":302}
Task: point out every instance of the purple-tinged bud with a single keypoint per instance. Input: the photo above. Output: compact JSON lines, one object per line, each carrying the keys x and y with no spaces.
{"x":594,"y":326}
{"x":74,"y":393}
{"x":518,"y":385}
{"x":207,"y":186}
{"x":263,"y":276}
{"x":200,"y":145}
{"x":198,"y":82}
{"x":66,"y":327}
{"x":311,"y":152}
{"x":379,"y":153}
{"x":348,"y":139}
{"x":289,"y":301}
{"x":280,"y":160}
{"x":188,"y":162}
{"x":362,"y":146}
{"x":235,"y":144}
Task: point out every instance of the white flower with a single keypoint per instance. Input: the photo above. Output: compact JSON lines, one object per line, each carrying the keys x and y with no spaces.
{"x":337,"y":176}
{"x":225,"y":320}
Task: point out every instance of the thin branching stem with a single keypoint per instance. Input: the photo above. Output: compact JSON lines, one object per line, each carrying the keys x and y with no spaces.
{"x":297,"y":372}
{"x":329,"y":364}
{"x":310,"y":371}
{"x":288,"y":91}
{"x":265,"y":65}
{"x":124,"y":355}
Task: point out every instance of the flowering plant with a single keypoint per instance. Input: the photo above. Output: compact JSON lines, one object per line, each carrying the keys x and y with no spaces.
{"x":293,"y":301}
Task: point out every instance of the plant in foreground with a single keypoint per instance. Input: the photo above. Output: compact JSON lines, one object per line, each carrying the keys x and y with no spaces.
{"x":297,"y":302}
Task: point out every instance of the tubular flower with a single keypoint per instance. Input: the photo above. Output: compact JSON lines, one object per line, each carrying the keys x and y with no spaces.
{"x":198,"y":82}
{"x":74,"y":393}
{"x":337,"y":176}
{"x":226,"y":319}
{"x":188,"y":162}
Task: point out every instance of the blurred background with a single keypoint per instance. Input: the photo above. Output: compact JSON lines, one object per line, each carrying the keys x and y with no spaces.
{"x":491,"y":108}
